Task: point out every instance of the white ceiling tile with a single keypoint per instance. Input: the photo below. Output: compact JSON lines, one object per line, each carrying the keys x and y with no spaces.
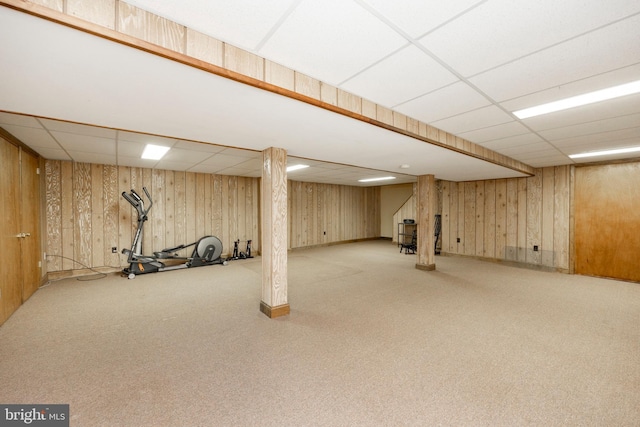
{"x":238,"y":152}
{"x":512,"y":141}
{"x":130,"y":149}
{"x":589,"y":146}
{"x":566,"y":62}
{"x":78,"y":129}
{"x":136,"y":162}
{"x":145,"y":138}
{"x":52,"y":153}
{"x":597,"y":126}
{"x":624,"y":106}
{"x":480,"y":136}
{"x":500,"y":31}
{"x":332,"y":39}
{"x":223,"y":161}
{"x":183,"y":155}
{"x":416,"y":17}
{"x":519,"y":150}
{"x":245,"y":22}
{"x":201,"y":147}
{"x":616,"y":137}
{"x":406,"y":73}
{"x":18,"y":120}
{"x":578,"y":87}
{"x":84,"y":143}
{"x":476,"y":119}
{"x":35,"y":138}
{"x":449,"y":101}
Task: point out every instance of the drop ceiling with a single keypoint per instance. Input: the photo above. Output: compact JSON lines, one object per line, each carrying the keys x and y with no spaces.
{"x":461,"y":66}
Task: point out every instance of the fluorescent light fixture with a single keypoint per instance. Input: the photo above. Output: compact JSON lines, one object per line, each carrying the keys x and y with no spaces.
{"x":296,"y":167}
{"x":384,"y":178}
{"x":605,"y":152}
{"x":577,"y":101}
{"x":154,"y":152}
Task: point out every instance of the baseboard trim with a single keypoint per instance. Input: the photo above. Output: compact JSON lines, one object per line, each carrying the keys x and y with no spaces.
{"x":509,"y":263}
{"x":273,"y":312}
{"x":426,"y":267}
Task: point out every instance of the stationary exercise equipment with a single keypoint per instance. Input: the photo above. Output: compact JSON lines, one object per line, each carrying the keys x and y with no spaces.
{"x":239,"y":254}
{"x":206,"y":251}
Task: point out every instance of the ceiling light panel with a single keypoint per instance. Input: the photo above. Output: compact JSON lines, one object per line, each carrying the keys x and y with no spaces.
{"x":154,"y":152}
{"x":320,"y":34}
{"x":400,"y":77}
{"x":437,"y":105}
{"x":565,"y":62}
{"x":515,"y":29}
{"x":580,"y":100}
{"x":602,"y":153}
{"x":587,"y":113}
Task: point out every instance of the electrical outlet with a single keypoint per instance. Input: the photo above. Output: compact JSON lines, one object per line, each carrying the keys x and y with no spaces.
{"x":114,"y":250}
{"x":535,"y":248}
{"x":458,"y":240}
{"x":325,"y":233}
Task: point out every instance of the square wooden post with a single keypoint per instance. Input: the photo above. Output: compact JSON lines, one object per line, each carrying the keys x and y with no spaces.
{"x":426,"y":211}
{"x":273,"y":198}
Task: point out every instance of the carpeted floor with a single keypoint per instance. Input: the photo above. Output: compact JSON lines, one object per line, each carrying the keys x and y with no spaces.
{"x":370,"y":341}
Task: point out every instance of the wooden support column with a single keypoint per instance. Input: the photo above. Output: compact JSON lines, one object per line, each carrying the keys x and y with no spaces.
{"x":273,"y":197}
{"x":426,"y":211}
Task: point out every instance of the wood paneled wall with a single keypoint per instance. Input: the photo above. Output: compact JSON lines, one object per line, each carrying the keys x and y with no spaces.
{"x":505,"y":218}
{"x":86,"y":215}
{"x":407,"y":211}
{"x":325,"y":213}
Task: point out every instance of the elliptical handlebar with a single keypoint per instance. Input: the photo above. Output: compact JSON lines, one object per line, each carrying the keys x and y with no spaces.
{"x":136,"y":201}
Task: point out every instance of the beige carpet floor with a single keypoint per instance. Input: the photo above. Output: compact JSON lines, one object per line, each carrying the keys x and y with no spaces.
{"x":370,"y":341}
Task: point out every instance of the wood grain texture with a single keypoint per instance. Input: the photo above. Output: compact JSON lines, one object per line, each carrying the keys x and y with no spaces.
{"x":274,"y":231}
{"x":607,"y":220}
{"x":30,"y":224}
{"x":11,"y":277}
{"x":87,"y":200}
{"x":101,"y":12}
{"x":243,"y":62}
{"x":149,"y":27}
{"x":426,"y":210}
{"x":504,"y":218}
{"x":53,"y":214}
{"x":205,"y":48}
{"x":279,"y":75}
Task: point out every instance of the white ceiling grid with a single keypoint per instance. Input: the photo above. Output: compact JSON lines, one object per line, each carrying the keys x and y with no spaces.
{"x":462,"y":66}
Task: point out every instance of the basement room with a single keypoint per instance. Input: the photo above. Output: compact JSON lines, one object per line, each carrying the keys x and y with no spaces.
{"x":304,"y":213}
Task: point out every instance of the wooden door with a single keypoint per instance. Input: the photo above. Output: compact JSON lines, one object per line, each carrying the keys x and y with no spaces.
{"x":29,"y":216}
{"x":10,"y":267}
{"x":607,"y":221}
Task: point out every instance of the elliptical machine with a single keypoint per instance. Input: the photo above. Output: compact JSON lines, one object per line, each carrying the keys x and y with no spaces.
{"x":207,"y":249}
